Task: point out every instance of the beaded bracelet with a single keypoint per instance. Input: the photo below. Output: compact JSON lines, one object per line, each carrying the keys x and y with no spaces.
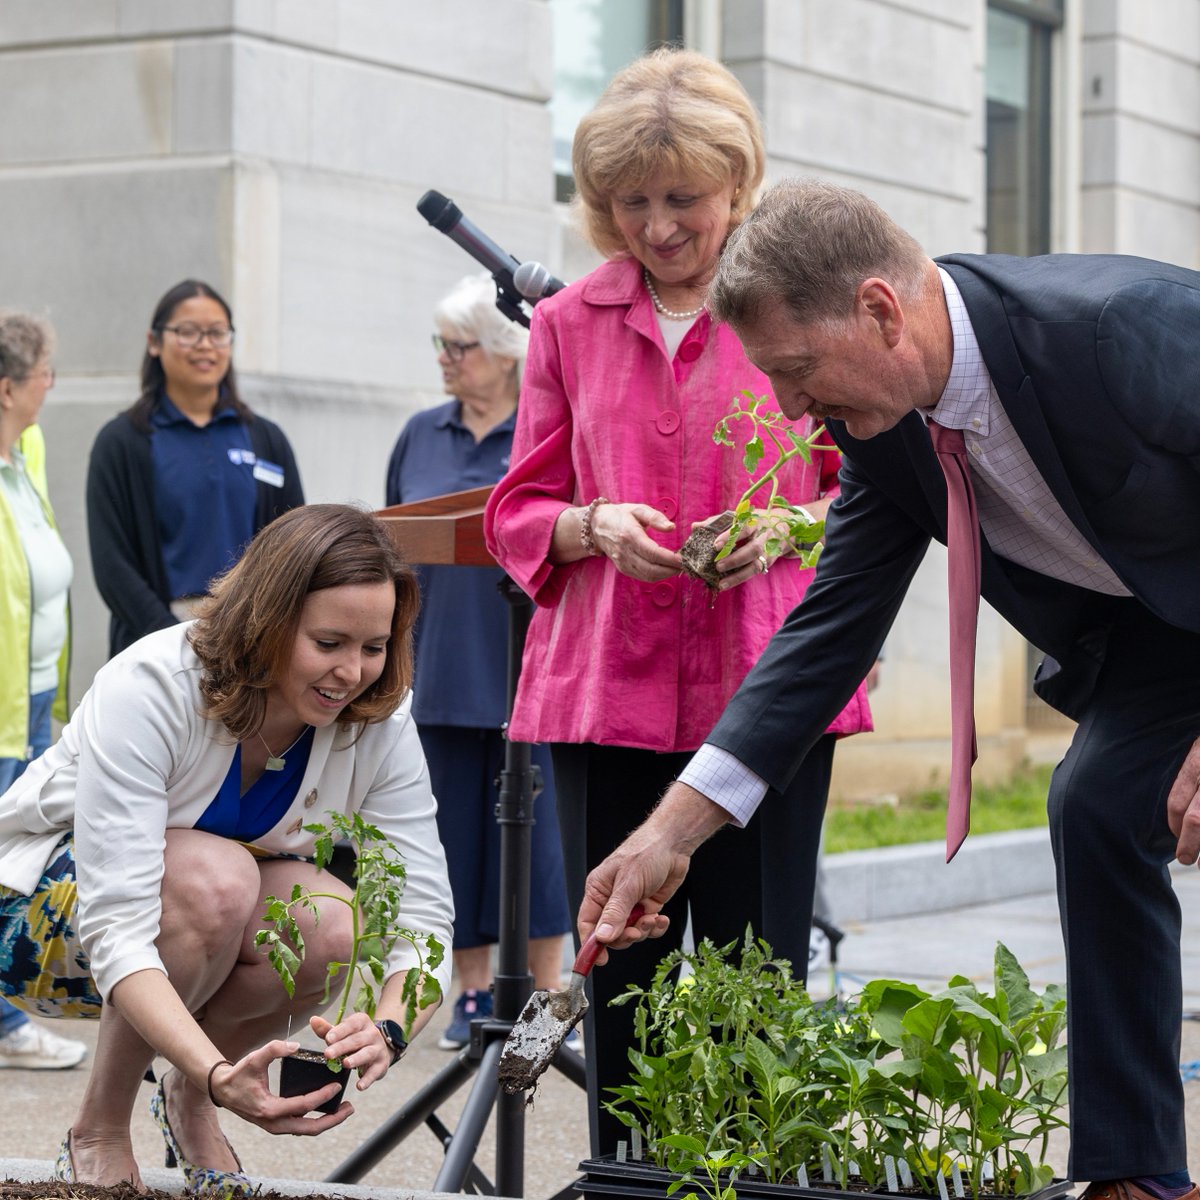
{"x":585,"y":525}
{"x":222,"y":1062}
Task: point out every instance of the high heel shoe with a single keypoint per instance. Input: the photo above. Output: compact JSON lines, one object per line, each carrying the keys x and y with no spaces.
{"x":198,"y":1181}
{"x":64,"y":1167}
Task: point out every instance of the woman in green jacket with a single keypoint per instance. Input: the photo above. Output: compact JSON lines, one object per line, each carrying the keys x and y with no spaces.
{"x":35,"y":573}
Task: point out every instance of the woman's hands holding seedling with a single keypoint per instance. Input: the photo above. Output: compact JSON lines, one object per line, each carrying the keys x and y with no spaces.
{"x":242,"y":1088}
{"x":358,"y":1044}
{"x":619,"y":533}
{"x":753,"y":551}
{"x":761,"y":539}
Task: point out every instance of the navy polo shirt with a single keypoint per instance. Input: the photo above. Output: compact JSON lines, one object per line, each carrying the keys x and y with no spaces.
{"x":204,"y":494}
{"x":462,"y":632}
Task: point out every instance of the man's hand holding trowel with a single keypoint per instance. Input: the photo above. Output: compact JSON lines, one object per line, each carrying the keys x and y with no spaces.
{"x":640,"y":875}
{"x":647,"y":867}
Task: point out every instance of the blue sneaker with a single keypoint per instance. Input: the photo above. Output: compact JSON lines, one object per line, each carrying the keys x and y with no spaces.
{"x":574,"y":1041}
{"x":470,"y":1005}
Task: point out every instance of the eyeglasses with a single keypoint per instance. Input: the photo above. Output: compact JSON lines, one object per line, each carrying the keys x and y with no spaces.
{"x":45,"y":371}
{"x":189,"y":336}
{"x":454,"y":351}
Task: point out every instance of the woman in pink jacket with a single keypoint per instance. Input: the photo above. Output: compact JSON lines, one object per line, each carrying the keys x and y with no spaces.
{"x":628,"y":664}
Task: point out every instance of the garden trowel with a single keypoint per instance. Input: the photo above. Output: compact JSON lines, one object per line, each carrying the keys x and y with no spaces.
{"x":546,"y":1020}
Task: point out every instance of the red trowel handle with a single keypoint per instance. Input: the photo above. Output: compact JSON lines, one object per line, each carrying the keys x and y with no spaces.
{"x":588,"y":952}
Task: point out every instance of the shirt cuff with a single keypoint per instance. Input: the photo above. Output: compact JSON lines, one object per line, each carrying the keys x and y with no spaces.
{"x":726,"y":781}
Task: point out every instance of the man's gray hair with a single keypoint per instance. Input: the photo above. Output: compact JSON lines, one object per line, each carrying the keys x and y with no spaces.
{"x":809,"y":245}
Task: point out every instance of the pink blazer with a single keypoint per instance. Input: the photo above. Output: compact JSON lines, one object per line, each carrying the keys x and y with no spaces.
{"x":604,"y":412}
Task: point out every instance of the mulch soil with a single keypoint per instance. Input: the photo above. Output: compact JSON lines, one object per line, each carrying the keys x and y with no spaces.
{"x":56,"y":1189}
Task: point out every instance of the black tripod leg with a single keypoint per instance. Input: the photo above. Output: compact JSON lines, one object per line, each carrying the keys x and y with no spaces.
{"x":405,"y":1119}
{"x":460,"y":1155}
{"x":571,"y":1064}
{"x":519,"y":784}
{"x":477,"y":1181}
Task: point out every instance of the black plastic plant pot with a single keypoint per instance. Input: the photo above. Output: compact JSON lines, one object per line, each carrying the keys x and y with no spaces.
{"x":605,"y":1178}
{"x":308,"y":1071}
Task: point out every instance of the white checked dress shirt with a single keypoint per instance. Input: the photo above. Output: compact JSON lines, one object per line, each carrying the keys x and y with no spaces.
{"x":1020,"y":518}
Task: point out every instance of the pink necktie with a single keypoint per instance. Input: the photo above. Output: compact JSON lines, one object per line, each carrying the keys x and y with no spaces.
{"x":962,"y":544}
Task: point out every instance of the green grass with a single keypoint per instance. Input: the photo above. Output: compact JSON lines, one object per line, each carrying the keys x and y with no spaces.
{"x":1020,"y":803}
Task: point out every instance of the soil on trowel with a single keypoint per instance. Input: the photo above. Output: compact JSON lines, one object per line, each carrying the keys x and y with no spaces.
{"x":518,"y":1073}
{"x":699,"y":554}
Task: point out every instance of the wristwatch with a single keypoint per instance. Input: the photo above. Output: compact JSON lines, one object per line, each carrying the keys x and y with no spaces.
{"x":393,"y":1036}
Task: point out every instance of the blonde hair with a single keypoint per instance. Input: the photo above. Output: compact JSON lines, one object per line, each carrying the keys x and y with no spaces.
{"x":673,"y":110}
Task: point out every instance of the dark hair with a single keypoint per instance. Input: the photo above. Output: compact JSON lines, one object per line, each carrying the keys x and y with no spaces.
{"x":246,"y":629}
{"x":153,"y":378}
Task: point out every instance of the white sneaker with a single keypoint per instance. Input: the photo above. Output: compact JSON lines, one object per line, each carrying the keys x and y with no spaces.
{"x":33,"y":1048}
{"x":818,"y":951}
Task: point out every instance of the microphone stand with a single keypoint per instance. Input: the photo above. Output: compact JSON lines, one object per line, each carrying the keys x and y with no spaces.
{"x":520,"y":782}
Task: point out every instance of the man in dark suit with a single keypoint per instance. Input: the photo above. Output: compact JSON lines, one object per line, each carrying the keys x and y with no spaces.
{"x":1075,"y":381}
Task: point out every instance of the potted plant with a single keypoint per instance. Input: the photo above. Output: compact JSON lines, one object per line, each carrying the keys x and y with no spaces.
{"x":379,"y":878}
{"x":742,"y":1085}
{"x":792,"y":528}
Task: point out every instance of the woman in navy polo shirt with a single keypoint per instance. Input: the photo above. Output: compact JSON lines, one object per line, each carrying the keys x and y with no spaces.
{"x":179,"y":483}
{"x":459,"y":693}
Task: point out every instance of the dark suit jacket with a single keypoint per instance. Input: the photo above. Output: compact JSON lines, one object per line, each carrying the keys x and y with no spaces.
{"x":1096,"y":359}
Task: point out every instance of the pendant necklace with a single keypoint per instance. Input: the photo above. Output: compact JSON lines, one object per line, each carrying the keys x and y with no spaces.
{"x":276,"y":762}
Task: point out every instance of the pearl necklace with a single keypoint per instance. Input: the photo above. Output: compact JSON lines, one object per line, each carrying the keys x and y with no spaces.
{"x":669,"y":313}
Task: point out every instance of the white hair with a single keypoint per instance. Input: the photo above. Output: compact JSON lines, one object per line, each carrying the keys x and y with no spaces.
{"x":469,"y":311}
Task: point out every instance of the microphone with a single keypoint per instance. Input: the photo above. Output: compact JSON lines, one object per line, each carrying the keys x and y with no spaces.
{"x":446,"y":217}
{"x":535,"y":283}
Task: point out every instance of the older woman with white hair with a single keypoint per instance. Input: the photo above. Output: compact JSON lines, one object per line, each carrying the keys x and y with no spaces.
{"x":459,"y":694}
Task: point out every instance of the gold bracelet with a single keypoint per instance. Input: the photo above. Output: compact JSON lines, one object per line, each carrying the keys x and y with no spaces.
{"x":585,"y":525}
{"x":222,"y":1062}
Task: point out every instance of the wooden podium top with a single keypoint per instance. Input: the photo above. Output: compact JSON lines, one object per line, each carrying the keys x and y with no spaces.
{"x":441,"y":530}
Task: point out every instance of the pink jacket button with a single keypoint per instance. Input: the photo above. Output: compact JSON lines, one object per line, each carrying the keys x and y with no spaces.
{"x":690,"y":351}
{"x":663,"y":594}
{"x":668,"y":507}
{"x":667,"y":422}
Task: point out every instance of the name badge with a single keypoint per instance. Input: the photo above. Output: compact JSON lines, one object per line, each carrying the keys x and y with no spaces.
{"x":240,"y":457}
{"x":268,"y":472}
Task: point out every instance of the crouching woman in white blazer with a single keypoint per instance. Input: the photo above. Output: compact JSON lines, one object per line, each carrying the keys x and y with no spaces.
{"x":136,"y":853}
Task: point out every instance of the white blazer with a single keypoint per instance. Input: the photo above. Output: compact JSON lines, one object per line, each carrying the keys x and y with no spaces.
{"x":137,"y":758}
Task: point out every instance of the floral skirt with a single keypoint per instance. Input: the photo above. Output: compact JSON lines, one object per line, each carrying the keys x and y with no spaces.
{"x":43,"y":969}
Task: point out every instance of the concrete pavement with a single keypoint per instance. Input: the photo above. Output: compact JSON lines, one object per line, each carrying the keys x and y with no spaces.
{"x":926,"y":948}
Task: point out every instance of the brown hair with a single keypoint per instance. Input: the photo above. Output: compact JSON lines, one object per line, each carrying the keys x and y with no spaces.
{"x":670,"y":110}
{"x":246,"y":629}
{"x":809,"y":245}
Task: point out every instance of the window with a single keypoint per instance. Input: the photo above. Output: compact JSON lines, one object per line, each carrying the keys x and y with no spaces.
{"x":1019,"y":35}
{"x":593,"y":40}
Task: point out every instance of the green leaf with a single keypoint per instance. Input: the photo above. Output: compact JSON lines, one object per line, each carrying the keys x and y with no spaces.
{"x":685,"y":1142}
{"x":931,"y":1020}
{"x":887,"y":1000}
{"x":1013,"y":984}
